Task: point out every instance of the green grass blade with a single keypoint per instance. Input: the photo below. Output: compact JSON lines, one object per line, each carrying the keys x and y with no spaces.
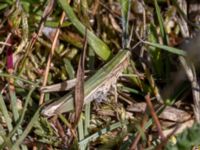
{"x":64,"y":120}
{"x":160,"y":20}
{"x":5,"y":113}
{"x":80,"y":129}
{"x":102,"y":131}
{"x":87,"y":118}
{"x":17,"y":78}
{"x":69,"y":68}
{"x":100,"y":48}
{"x":156,"y":54}
{"x":125,"y":9}
{"x":14,"y":105}
{"x":27,"y":130}
{"x":165,"y":64}
{"x":168,"y":48}
{"x":18,"y":126}
{"x":3,"y":6}
{"x":28,"y":98}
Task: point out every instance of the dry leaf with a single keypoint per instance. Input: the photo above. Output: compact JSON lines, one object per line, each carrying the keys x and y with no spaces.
{"x":79,"y":88}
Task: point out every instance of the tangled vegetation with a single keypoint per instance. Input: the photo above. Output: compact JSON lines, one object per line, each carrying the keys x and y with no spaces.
{"x":97,"y":74}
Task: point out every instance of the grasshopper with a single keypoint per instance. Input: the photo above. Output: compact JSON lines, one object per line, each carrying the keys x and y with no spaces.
{"x":101,"y":81}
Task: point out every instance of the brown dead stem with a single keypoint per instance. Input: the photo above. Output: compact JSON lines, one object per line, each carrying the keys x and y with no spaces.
{"x":50,"y":57}
{"x":79,"y":88}
{"x":154,"y":116}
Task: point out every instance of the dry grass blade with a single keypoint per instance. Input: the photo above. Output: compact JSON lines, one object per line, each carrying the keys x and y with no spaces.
{"x":48,"y":10}
{"x":154,"y":116}
{"x":50,"y":57}
{"x":63,"y":86}
{"x":79,"y":88}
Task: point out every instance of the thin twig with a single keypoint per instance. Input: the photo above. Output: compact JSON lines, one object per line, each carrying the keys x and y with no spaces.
{"x":4,"y":43}
{"x":50,"y":57}
{"x":7,"y":43}
{"x":154,"y":116}
{"x":59,"y":127}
